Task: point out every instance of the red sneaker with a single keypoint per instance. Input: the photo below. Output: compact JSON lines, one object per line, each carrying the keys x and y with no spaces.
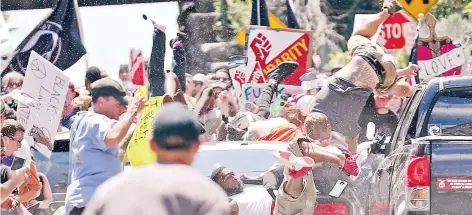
{"x":289,"y":160}
{"x":350,"y":165}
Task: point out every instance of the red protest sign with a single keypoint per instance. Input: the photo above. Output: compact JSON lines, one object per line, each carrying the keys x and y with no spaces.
{"x":269,"y":47}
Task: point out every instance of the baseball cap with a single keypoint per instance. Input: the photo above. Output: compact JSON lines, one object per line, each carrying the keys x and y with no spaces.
{"x":200,"y":77}
{"x":109,"y":87}
{"x":176,"y":127}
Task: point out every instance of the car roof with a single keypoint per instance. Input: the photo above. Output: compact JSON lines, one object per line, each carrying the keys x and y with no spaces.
{"x":453,"y":81}
{"x":243,"y":145}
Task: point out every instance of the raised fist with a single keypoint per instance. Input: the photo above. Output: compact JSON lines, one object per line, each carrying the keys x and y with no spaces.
{"x":261,"y":47}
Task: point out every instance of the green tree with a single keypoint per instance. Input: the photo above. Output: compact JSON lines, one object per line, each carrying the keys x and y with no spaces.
{"x":445,"y":8}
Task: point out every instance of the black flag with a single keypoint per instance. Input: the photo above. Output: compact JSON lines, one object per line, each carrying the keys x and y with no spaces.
{"x":291,"y":18}
{"x":259,"y":13}
{"x":414,"y":57}
{"x":56,"y":38}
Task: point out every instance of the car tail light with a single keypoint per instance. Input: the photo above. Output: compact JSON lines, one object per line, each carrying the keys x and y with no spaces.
{"x":332,"y":208}
{"x":418,"y":180}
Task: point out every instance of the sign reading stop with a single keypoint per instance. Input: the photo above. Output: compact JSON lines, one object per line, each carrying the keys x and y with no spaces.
{"x":398,"y":31}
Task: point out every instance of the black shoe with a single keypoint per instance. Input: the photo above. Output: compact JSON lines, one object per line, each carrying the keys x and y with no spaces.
{"x":282,"y":71}
{"x":391,"y":5}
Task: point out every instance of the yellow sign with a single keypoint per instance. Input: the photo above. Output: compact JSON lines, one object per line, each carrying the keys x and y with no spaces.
{"x":468,"y":7}
{"x":143,"y":91}
{"x":415,"y":7}
{"x":274,"y":23}
{"x":139,"y":151}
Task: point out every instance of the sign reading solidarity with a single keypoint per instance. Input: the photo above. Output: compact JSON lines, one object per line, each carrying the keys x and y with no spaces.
{"x":438,"y":56}
{"x":415,"y":7}
{"x":397,"y":32}
{"x":45,"y":89}
{"x":269,"y":47}
{"x":252,"y":92}
{"x":139,"y":151}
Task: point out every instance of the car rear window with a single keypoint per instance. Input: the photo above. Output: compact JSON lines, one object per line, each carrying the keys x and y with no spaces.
{"x":452,"y":114}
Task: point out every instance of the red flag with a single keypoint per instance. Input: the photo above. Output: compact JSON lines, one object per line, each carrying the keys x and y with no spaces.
{"x":136,"y":67}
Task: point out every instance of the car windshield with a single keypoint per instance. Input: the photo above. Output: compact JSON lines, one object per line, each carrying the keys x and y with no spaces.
{"x":251,"y":162}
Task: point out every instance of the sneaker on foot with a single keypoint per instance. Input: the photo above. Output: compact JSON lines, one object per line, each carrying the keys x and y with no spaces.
{"x":350,"y":165}
{"x":293,"y":162}
{"x":282,"y":71}
{"x":391,"y":5}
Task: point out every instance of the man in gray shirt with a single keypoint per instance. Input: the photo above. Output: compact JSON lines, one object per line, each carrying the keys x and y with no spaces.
{"x":170,"y":187}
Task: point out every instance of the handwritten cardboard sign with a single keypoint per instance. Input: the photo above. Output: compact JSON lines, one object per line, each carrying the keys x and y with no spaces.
{"x":441,"y":64}
{"x":139,"y":151}
{"x":438,"y":56}
{"x":252,"y":92}
{"x":46,"y":86}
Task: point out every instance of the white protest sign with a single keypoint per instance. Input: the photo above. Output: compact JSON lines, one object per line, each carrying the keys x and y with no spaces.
{"x":238,"y":78}
{"x":47,"y":86}
{"x":441,"y":64}
{"x":267,"y":48}
{"x":252,"y":92}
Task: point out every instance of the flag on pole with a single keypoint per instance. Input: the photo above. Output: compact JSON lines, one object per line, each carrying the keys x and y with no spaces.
{"x":136,"y":67}
{"x":56,"y":38}
{"x":291,"y":18}
{"x":259,"y":14}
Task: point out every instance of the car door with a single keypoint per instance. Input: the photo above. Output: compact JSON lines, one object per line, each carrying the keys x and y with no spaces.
{"x":380,"y":195}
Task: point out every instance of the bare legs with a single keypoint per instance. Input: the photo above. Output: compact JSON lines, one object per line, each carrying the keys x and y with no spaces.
{"x":369,"y":29}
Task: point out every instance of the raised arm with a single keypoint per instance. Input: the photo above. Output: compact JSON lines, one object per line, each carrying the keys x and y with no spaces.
{"x":156,"y":74}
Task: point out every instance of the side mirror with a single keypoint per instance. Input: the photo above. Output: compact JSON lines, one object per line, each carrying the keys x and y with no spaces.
{"x":370,"y":132}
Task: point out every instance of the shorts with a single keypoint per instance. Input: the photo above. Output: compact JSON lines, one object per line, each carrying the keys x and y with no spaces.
{"x":358,"y":44}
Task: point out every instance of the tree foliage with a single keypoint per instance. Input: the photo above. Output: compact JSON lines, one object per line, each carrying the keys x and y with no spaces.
{"x":445,"y":8}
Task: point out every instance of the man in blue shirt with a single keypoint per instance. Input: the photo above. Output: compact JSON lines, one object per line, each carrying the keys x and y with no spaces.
{"x":94,"y":141}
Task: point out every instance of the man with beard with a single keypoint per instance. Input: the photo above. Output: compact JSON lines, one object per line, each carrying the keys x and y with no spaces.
{"x":244,"y":200}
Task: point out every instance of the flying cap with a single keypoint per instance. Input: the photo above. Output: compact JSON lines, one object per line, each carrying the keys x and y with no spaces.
{"x":176,"y":127}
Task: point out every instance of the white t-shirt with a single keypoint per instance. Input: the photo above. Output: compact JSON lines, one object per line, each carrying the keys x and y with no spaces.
{"x":253,"y":201}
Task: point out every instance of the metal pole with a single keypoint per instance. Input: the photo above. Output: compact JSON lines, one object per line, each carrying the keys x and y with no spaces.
{"x":81,"y":29}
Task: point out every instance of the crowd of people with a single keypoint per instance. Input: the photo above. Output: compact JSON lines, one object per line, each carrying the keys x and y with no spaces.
{"x":333,"y":111}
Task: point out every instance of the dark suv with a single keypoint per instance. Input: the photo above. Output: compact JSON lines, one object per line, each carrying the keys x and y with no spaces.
{"x":427,"y":164}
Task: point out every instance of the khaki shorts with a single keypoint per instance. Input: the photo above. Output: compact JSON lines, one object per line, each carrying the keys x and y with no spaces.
{"x":359,"y":44}
{"x":302,"y":205}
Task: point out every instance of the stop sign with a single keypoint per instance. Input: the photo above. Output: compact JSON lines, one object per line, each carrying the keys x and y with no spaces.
{"x":396,"y":30}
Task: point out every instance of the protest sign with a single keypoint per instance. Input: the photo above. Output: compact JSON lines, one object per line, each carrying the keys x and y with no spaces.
{"x":238,"y":78}
{"x":45,"y":86}
{"x":438,"y":56}
{"x":397,"y":32}
{"x":251,"y":93}
{"x":269,"y":47}
{"x":139,"y":151}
